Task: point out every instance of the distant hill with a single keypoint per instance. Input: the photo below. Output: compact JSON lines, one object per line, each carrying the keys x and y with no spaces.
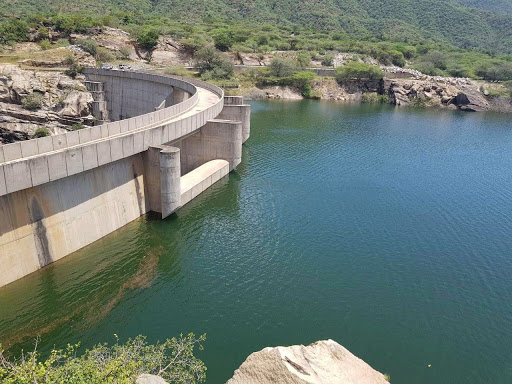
{"x":482,"y":24}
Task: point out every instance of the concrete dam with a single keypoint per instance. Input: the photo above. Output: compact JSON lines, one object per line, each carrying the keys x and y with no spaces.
{"x":168,"y":139}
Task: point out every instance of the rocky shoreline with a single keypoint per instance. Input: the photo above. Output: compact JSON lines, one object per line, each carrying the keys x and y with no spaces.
{"x":425,"y":91}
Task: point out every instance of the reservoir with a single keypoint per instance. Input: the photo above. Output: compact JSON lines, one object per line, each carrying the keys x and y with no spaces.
{"x":386,"y":229}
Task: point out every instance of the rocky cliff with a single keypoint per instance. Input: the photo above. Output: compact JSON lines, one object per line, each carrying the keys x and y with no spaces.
{"x":57,"y":101}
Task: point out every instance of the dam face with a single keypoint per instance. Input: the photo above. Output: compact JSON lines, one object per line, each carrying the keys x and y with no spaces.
{"x":173,"y":138}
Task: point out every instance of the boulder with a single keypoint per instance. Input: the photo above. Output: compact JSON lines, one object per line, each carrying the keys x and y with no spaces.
{"x":150,"y":379}
{"x":77,"y":104}
{"x":323,"y":362}
{"x":470,"y":100}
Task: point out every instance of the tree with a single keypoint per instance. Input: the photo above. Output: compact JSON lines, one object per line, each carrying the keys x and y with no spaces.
{"x":13,"y":31}
{"x":328,"y":61}
{"x":303,"y":59}
{"x":88,"y":45}
{"x":223,"y":41}
{"x":358,"y":71}
{"x":213,"y":64}
{"x":148,"y":39}
{"x":280,"y":67}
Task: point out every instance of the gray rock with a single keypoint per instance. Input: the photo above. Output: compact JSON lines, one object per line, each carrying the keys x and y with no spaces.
{"x":323,"y":362}
{"x":150,"y":379}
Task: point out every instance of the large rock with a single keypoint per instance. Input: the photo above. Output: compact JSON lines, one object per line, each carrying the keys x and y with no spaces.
{"x":150,"y":379}
{"x":323,"y":362}
{"x":471,"y":100}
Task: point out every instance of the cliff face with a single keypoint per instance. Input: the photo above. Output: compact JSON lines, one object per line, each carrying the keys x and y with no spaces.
{"x":58,"y":100}
{"x":322,"y":362}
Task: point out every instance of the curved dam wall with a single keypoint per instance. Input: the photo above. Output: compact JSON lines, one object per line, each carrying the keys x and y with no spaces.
{"x":62,"y":193}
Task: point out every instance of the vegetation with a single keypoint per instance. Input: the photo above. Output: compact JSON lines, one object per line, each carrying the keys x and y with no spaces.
{"x":41,"y":132}
{"x":173,"y":360}
{"x":358,"y":71}
{"x":77,"y":126}
{"x":213,"y":64}
{"x":32,"y":101}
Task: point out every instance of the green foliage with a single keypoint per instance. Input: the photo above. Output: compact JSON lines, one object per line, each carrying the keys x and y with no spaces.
{"x":358,"y":71}
{"x":328,"y":60}
{"x":280,"y":67}
{"x":32,"y":101}
{"x":43,"y":33}
{"x":373,"y":98}
{"x":213,"y":64}
{"x":148,"y":39}
{"x":223,"y":41}
{"x":45,"y":44}
{"x":303,"y":59}
{"x":77,"y":127}
{"x":13,"y":31}
{"x":495,"y":71}
{"x":88,"y":45}
{"x":73,"y":70}
{"x":41,"y":132}
{"x":124,"y":52}
{"x":173,"y":360}
{"x":104,"y":55}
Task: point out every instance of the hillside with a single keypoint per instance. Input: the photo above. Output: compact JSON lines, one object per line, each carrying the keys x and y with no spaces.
{"x":466,"y":24}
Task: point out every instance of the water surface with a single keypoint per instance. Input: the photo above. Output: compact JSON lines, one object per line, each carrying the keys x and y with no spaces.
{"x":388,"y":230}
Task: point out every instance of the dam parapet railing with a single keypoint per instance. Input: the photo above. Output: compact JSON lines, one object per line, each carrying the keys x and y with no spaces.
{"x":34,"y":162}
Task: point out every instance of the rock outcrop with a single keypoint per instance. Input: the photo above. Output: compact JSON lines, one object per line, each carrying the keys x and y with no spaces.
{"x":323,"y":362}
{"x":63,"y":101}
{"x":437,"y":92}
{"x":150,"y":379}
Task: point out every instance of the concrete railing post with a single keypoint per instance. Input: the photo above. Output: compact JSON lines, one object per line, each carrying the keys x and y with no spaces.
{"x":170,"y":175}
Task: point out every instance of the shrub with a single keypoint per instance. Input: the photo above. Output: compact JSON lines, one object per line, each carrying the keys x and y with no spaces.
{"x":43,"y":33}
{"x":77,"y":127}
{"x":303,"y":59}
{"x":41,"y":132}
{"x":328,"y":61}
{"x":45,"y":44}
{"x":373,"y":98}
{"x":88,"y":45}
{"x":104,"y":55}
{"x":33,"y":101}
{"x":213,"y":64}
{"x":124,"y":52}
{"x":223,"y":41}
{"x":148,"y":39}
{"x":495,"y":71}
{"x":280,"y":67}
{"x":13,"y":31}
{"x":173,"y":360}
{"x":73,"y":71}
{"x":358,"y":71}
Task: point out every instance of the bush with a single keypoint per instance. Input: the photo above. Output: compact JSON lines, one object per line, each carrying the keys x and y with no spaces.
{"x":173,"y":360}
{"x":45,"y":44}
{"x":88,"y":45}
{"x":281,"y":68}
{"x":495,"y":71}
{"x":41,"y":132}
{"x":223,"y":41}
{"x":43,"y":33}
{"x":373,"y":98}
{"x":124,"y":52}
{"x":358,"y":71}
{"x":73,"y":71}
{"x":328,"y":61}
{"x":77,"y":127}
{"x":13,"y":31}
{"x":303,"y":59}
{"x":104,"y":55}
{"x":148,"y":39}
{"x":33,"y":101}
{"x":213,"y":64}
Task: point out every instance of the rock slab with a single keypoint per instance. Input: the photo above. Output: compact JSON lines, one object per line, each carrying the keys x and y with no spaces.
{"x":319,"y":363}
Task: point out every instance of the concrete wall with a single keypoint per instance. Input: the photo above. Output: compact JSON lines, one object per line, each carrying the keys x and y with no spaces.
{"x":218,"y":139}
{"x":42,"y":224}
{"x":61,"y":193}
{"x":128,"y":97}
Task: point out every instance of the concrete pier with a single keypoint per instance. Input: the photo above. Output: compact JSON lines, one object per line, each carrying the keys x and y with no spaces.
{"x":171,"y":139}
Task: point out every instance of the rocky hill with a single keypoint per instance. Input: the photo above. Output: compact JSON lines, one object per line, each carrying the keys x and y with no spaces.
{"x":464,"y":23}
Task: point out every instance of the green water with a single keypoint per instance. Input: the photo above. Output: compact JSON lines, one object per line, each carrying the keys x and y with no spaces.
{"x":388,"y":230}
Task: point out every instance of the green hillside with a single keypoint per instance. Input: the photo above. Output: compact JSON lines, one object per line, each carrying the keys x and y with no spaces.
{"x":463,"y":23}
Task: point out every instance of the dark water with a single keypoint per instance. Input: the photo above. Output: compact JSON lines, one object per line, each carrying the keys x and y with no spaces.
{"x":388,"y":230}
